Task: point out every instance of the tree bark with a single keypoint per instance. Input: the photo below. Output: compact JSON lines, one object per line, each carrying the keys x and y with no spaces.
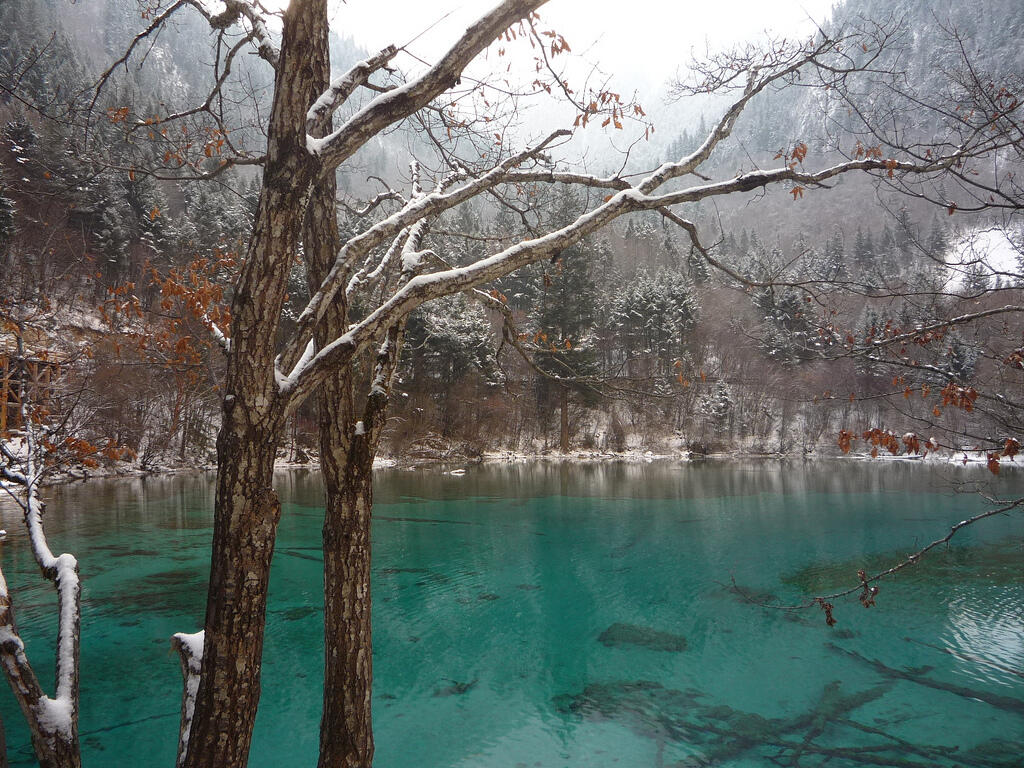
{"x":247,"y":509}
{"x":246,"y":517}
{"x":346,"y":734}
{"x":563,"y":437}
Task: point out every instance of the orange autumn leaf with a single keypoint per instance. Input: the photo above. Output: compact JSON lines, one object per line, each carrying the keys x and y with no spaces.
{"x":845,"y":438}
{"x":1011,"y":448}
{"x":993,"y":463}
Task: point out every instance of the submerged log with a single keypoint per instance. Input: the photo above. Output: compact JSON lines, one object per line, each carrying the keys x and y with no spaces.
{"x":619,"y":634}
{"x":968,"y":657}
{"x":724,"y":734}
{"x":456,"y":688}
{"x":1008,"y":703}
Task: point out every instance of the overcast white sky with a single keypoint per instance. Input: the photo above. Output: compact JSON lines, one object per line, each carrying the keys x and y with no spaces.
{"x":646,"y":38}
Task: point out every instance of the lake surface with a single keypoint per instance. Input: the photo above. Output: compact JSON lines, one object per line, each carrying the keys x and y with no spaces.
{"x":575,"y":616}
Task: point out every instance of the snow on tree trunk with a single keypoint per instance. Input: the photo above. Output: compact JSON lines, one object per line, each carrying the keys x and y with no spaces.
{"x":190,"y":650}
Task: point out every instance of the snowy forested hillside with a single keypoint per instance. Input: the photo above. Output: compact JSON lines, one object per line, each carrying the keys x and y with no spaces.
{"x":634,"y":340}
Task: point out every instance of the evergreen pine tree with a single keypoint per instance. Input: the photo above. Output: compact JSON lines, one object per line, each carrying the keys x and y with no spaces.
{"x":7,"y":228}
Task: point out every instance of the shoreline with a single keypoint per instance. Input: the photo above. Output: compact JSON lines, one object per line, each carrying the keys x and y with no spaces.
{"x":459,"y":464}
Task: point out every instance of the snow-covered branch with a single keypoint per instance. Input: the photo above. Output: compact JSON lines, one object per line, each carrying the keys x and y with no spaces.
{"x":366,"y":278}
{"x":401,"y":102}
{"x":770,"y":68}
{"x":22,"y":677}
{"x":437,"y":284}
{"x":53,"y":721}
{"x":389,"y":228}
{"x":920,"y":330}
{"x":343,"y":87}
{"x":190,"y":651}
{"x":218,"y":335}
{"x":785,"y":63}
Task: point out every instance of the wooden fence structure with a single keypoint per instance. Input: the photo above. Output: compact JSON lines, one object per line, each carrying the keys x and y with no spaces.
{"x":34,"y":375}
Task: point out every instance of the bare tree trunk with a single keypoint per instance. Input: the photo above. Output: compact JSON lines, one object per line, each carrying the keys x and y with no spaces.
{"x":346,"y":461}
{"x":247,"y":513}
{"x":247,"y":509}
{"x":3,"y":746}
{"x":347,"y":453}
{"x":563,"y":441}
{"x":346,"y":734}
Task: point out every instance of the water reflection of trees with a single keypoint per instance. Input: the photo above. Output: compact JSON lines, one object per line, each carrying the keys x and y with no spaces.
{"x":667,"y":479}
{"x":602,"y":479}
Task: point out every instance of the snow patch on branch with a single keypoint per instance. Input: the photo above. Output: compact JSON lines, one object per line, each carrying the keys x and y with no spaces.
{"x":211,"y":7}
{"x":285,"y":383}
{"x":316,"y":146}
{"x":412,"y":260}
{"x":218,"y":334}
{"x":192,"y":643}
{"x":342,"y":87}
{"x":55,"y":716}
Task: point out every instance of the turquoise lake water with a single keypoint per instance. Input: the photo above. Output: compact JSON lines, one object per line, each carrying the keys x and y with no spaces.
{"x":564,"y":616}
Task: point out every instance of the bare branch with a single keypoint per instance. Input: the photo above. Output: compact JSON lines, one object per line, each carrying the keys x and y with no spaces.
{"x":915,"y":558}
{"x":154,"y":26}
{"x":396,"y":105}
{"x":238,"y":9}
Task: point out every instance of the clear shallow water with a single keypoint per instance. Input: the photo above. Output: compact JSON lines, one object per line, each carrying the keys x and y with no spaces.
{"x":546,"y":615}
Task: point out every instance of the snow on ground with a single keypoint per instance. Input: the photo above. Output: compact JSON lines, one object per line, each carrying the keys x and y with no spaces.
{"x":582,"y":456}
